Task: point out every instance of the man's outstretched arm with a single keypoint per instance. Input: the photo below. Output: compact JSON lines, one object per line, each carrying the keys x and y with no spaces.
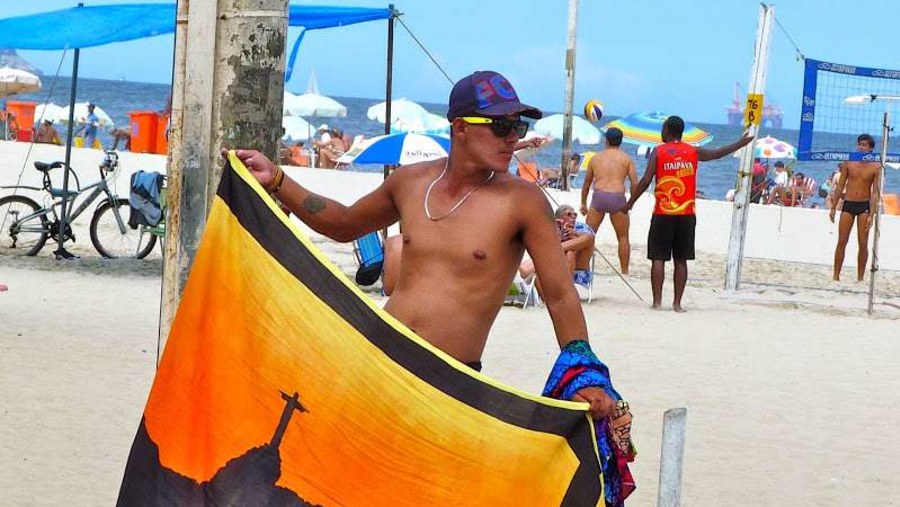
{"x":704,"y":154}
{"x":325,"y":216}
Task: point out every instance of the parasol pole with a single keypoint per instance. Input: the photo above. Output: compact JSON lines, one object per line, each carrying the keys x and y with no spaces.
{"x":752,"y":120}
{"x":61,"y":252}
{"x":876,"y":222}
{"x":389,"y":80}
{"x":570,"y":91}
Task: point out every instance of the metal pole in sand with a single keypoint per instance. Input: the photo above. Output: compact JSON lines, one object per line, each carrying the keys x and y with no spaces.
{"x":61,"y":252}
{"x":570,"y":91}
{"x":671,"y":457}
{"x":876,"y":222}
{"x":752,"y":120}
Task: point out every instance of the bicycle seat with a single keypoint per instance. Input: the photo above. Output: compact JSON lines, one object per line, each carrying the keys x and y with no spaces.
{"x":44,"y":167}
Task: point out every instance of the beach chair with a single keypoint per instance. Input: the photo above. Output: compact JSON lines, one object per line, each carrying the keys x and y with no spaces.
{"x":369,"y":251}
{"x":524,"y":291}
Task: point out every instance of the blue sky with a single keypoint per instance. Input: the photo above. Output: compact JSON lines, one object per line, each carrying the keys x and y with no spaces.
{"x":633,"y":55}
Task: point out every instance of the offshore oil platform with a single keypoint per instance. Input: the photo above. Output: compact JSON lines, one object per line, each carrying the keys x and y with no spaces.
{"x":773,"y":115}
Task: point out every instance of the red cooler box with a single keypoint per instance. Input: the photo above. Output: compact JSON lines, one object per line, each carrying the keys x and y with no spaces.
{"x":162,"y":138}
{"x":24,"y":113}
{"x":143,"y":131}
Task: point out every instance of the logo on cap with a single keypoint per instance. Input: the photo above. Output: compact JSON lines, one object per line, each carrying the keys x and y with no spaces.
{"x":492,"y":91}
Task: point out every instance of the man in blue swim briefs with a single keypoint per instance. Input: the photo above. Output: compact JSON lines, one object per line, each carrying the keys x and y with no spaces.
{"x":606,"y":173}
{"x":858,"y":184}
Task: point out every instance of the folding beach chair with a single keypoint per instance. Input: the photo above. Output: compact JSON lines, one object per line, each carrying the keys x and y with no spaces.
{"x":524,"y":291}
{"x":369,"y":251}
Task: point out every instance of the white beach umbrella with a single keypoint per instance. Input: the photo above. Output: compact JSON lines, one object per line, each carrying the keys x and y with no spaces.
{"x":404,"y":109}
{"x":14,"y":81}
{"x":312,"y":104}
{"x":81,"y":112}
{"x":296,"y":129}
{"x":582,"y":130}
{"x":429,"y":123}
{"x":49,"y":111}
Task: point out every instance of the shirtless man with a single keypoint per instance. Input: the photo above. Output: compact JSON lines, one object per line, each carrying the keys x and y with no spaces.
{"x":608,"y":171}
{"x":466,"y":223}
{"x":861,"y":180}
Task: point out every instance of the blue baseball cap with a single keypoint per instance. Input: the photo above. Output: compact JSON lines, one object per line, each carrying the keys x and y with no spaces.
{"x":487,"y":93}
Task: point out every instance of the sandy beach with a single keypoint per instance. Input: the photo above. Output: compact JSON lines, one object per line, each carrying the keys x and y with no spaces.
{"x":790,"y":386}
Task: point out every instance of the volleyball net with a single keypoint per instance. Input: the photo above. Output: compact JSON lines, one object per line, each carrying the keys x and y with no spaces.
{"x":841,"y":102}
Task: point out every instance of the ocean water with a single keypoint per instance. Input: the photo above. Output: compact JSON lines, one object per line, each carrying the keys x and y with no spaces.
{"x":118,"y":98}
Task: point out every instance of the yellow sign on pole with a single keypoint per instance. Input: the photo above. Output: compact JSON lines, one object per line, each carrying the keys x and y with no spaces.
{"x":753,"y":110}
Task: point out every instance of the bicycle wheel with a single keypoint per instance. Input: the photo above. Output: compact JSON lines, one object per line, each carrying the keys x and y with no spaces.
{"x":21,"y":235}
{"x":109,"y":239}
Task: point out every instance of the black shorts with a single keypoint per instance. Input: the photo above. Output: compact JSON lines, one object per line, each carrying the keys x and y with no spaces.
{"x":671,"y":237}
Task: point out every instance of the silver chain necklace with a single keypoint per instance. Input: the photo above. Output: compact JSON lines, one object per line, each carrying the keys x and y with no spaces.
{"x":458,"y":204}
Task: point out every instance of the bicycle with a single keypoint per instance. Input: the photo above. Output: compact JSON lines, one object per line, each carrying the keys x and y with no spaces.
{"x":26,"y":226}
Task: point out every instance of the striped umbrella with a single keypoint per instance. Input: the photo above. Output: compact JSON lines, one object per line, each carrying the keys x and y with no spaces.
{"x":645,"y":129}
{"x":398,"y":149}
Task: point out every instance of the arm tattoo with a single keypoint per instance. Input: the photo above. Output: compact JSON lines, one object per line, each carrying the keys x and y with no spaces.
{"x":313,"y":204}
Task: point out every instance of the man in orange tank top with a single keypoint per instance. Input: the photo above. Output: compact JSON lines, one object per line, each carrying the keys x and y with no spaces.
{"x":674,"y":165}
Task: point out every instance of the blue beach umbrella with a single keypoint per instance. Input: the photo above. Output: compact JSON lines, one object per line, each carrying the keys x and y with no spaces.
{"x":399,"y":149}
{"x":645,"y":129}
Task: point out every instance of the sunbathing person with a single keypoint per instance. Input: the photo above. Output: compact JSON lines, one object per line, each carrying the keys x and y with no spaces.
{"x":331,"y":151}
{"x":47,"y":134}
{"x":577,"y":241}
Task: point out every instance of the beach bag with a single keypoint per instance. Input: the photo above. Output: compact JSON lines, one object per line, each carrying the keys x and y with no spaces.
{"x":144,"y":199}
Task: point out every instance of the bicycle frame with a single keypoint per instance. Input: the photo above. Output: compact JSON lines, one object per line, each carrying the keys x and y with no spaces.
{"x":99,"y":187}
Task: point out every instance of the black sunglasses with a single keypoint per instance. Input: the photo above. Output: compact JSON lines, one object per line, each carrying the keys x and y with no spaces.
{"x":501,"y":127}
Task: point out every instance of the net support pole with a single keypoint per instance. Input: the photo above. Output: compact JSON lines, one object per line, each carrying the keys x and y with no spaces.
{"x":741,"y":208}
{"x":570,"y":91}
{"x":876,"y":222}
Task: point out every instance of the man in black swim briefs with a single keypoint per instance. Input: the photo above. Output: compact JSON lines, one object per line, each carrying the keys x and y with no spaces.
{"x":859,"y":185}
